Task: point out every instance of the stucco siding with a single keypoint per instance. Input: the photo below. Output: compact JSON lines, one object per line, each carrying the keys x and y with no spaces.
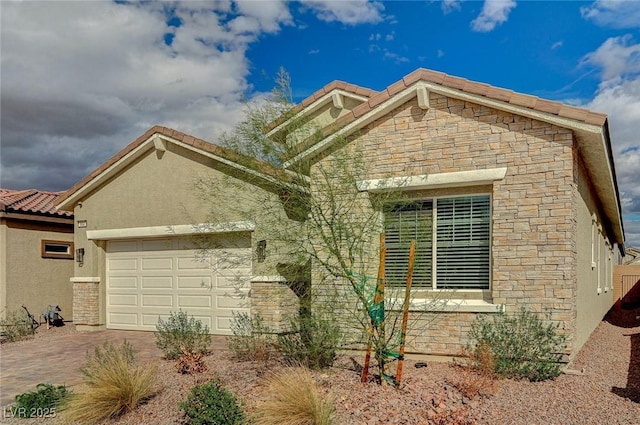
{"x":595,"y":261}
{"x":29,"y":279}
{"x":160,"y":189}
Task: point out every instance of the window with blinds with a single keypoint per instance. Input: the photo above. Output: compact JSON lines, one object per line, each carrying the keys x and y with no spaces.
{"x":452,"y":242}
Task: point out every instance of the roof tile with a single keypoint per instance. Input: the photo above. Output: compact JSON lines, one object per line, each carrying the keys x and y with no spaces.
{"x":396,"y":88}
{"x":378,"y":98}
{"x":454,"y":82}
{"x":523,"y":100}
{"x":574,"y":113}
{"x":31,"y":201}
{"x":595,"y":118}
{"x":547,"y":106}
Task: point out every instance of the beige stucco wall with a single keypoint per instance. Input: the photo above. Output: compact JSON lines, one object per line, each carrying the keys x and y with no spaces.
{"x":595,"y":260}
{"x":160,"y":190}
{"x":27,"y":278}
{"x":534,"y":212}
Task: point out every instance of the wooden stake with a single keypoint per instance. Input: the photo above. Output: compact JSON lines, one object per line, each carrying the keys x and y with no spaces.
{"x":405,"y":312}
{"x":379,"y":294}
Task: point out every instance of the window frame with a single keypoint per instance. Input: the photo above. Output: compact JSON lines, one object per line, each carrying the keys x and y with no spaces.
{"x":44,"y":253}
{"x":434,"y":251}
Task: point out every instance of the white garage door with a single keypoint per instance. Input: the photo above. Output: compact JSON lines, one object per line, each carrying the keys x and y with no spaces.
{"x":150,"y":278}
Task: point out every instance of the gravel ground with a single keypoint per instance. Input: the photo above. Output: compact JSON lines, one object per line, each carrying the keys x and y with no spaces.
{"x":604,"y":389}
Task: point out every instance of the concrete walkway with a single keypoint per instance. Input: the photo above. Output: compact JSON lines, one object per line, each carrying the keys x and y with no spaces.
{"x":57,"y":360}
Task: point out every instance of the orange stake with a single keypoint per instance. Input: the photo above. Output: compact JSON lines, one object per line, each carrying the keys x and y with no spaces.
{"x":405,"y":313}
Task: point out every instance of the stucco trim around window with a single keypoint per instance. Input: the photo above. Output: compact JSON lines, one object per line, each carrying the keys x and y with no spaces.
{"x":432,"y":181}
{"x":171,"y":230}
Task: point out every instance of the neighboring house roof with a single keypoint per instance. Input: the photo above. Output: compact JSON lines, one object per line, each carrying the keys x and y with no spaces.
{"x":632,"y":256}
{"x":590,"y":128}
{"x":31,"y":201}
{"x":156,"y":138}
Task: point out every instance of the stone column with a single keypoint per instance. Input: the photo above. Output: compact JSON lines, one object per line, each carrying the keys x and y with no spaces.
{"x":86,"y":302}
{"x":274,"y":301}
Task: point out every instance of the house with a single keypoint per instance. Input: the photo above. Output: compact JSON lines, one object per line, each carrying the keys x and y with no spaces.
{"x":153,"y":246}
{"x":36,"y":252}
{"x":513,"y":200}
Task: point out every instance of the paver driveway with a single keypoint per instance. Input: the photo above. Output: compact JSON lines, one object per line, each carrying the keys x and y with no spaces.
{"x":57,"y":360}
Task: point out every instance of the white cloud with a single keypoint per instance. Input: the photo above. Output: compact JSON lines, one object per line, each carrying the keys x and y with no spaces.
{"x":449,"y":6}
{"x":395,"y":57}
{"x":351,"y":12}
{"x":613,"y":13}
{"x":80,"y":80}
{"x":440,"y":53}
{"x":618,"y":96}
{"x":557,"y":45}
{"x":617,"y":57}
{"x":494,"y":13}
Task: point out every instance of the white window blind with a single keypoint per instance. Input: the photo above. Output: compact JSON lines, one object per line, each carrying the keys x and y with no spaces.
{"x":403,"y":223}
{"x":460,"y":256}
{"x":463,"y":243}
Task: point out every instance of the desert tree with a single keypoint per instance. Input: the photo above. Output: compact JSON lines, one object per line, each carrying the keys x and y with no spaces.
{"x":319,"y":226}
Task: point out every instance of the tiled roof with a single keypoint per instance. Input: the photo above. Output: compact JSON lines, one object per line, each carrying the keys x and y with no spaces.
{"x":31,"y":201}
{"x":334,"y":85}
{"x":252,"y":163}
{"x":485,"y":90}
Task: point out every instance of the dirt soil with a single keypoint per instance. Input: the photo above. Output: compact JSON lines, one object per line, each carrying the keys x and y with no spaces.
{"x":602,"y":387}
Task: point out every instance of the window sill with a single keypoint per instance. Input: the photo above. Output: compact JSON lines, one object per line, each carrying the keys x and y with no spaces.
{"x":452,"y":306}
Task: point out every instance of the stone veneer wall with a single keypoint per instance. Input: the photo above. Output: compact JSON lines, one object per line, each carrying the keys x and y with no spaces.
{"x":533,"y":207}
{"x":86,"y":301}
{"x":275,"y":302}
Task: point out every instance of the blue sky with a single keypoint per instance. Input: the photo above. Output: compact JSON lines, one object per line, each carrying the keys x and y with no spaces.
{"x":81,"y":80}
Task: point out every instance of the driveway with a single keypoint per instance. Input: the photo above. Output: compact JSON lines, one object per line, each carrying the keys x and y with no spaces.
{"x":58,"y":359}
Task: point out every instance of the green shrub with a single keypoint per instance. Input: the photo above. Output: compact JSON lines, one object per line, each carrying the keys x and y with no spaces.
{"x":16,"y":326}
{"x":252,"y":339}
{"x":312,"y":342}
{"x":210,"y":404}
{"x":520,"y":345}
{"x":182,"y":335}
{"x":40,"y":403}
{"x":294,"y":398}
{"x":115,"y":383}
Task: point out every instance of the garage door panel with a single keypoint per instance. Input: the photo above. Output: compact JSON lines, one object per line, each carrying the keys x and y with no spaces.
{"x":151,"y":319}
{"x":194,"y":282}
{"x":191,"y":263}
{"x":157,"y":264}
{"x":123,"y":282}
{"x":124,"y":319}
{"x":223,"y":324}
{"x":157,"y":282}
{"x":156,"y":300}
{"x":186,"y":302}
{"x":123,"y":300}
{"x":123,"y":264}
{"x":143,"y":285}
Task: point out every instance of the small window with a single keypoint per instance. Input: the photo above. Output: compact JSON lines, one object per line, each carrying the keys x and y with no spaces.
{"x":56,"y":249}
